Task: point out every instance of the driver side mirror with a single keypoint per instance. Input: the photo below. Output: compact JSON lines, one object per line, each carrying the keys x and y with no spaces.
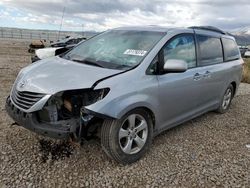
{"x":175,"y":66}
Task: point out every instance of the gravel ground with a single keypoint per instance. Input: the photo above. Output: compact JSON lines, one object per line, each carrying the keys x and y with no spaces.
{"x":209,"y":151}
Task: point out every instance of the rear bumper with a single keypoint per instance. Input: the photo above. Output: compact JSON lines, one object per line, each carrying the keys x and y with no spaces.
{"x":60,"y":130}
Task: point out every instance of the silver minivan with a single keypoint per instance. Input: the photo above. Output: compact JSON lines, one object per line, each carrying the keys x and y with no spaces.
{"x":127,"y":85}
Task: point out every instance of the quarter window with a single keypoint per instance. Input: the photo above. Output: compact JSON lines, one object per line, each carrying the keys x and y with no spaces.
{"x":210,"y":50}
{"x":231,"y":49}
{"x":181,"y":48}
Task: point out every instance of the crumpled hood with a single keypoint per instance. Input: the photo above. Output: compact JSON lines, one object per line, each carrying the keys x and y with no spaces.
{"x":55,"y":74}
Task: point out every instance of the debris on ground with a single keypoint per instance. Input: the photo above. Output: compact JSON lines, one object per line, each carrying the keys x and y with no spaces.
{"x":55,"y":150}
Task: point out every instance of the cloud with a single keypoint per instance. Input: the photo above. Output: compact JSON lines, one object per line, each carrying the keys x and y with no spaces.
{"x":104,"y":14}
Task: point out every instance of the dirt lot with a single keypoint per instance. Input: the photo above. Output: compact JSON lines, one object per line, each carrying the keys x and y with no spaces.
{"x":246,"y":71}
{"x":209,"y":151}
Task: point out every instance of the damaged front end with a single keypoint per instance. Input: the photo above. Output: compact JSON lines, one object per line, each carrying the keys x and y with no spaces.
{"x":63,"y":116}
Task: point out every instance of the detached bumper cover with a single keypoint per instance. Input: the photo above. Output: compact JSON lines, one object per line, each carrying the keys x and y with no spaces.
{"x":59,"y":130}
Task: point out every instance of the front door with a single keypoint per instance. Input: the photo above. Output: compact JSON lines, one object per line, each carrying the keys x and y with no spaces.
{"x":179,"y":92}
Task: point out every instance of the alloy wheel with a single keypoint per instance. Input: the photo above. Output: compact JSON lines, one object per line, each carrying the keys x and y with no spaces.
{"x":133,"y":134}
{"x":227,"y":99}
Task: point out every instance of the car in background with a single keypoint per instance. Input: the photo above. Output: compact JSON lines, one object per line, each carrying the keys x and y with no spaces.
{"x":243,"y":50}
{"x":247,"y":54}
{"x":39,"y":50}
{"x":49,"y":52}
{"x":68,"y":41}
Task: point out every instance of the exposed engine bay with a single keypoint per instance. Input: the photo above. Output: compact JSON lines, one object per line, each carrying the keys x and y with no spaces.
{"x":70,"y":105}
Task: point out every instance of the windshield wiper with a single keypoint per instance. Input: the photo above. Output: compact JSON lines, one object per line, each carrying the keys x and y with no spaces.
{"x":103,"y":64}
{"x":123,"y":67}
{"x":88,"y":62}
{"x":112,"y":65}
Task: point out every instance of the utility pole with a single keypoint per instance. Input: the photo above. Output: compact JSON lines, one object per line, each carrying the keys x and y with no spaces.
{"x":58,"y":37}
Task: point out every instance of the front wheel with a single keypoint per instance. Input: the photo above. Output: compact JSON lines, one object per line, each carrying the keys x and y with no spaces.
{"x":126,"y":140}
{"x":226,"y":100}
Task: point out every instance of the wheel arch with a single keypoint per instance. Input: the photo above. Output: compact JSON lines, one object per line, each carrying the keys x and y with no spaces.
{"x":233,"y":83}
{"x":117,"y":108}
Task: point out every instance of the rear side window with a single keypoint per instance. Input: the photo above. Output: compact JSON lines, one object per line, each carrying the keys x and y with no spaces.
{"x":231,"y":49}
{"x":210,"y":50}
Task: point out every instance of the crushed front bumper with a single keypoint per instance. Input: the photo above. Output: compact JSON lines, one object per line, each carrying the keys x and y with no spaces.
{"x":63,"y":129}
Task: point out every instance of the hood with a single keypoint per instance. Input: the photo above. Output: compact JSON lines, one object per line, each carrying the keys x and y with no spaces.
{"x":46,"y":52}
{"x":55,"y":74}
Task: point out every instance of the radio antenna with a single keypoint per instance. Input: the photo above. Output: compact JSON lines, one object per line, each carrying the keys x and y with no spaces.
{"x":59,"y":32}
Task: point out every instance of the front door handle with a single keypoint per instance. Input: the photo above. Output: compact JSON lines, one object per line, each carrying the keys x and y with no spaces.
{"x":197,"y":77}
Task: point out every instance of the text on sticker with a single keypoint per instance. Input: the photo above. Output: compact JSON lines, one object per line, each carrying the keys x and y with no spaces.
{"x":135,"y":52}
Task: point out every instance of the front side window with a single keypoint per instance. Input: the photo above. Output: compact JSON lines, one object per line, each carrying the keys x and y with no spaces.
{"x":210,"y":50}
{"x":182,"y":48}
{"x":116,"y":49}
{"x":231,"y":49}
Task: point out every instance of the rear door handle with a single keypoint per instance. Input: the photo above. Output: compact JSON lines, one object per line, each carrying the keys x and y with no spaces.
{"x":207,"y":74}
{"x":197,"y":77}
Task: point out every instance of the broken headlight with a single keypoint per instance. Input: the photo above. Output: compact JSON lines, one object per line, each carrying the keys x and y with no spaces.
{"x":67,"y":104}
{"x":74,"y":100}
{"x":101,"y":93}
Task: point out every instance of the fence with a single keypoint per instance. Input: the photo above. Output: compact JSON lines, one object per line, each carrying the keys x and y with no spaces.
{"x":34,"y":34}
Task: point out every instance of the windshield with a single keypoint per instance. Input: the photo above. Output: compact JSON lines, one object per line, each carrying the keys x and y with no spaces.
{"x":115,"y":49}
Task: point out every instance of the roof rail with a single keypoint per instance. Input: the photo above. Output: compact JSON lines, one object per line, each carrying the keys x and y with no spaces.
{"x":209,"y":28}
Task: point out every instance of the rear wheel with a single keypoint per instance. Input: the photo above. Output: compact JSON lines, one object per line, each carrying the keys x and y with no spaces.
{"x":126,"y":140}
{"x":226,"y":100}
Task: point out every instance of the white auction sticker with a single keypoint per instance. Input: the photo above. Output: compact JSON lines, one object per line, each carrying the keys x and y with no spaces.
{"x":135,"y":52}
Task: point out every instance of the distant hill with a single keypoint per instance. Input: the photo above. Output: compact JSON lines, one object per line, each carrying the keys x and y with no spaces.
{"x":242,"y":36}
{"x":242,"y":31}
{"x":242,"y":40}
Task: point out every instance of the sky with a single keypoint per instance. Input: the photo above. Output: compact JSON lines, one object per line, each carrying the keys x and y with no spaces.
{"x":100,"y":15}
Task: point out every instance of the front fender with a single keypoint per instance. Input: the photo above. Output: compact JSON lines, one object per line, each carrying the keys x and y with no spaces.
{"x":120,"y":106}
{"x":128,"y":91}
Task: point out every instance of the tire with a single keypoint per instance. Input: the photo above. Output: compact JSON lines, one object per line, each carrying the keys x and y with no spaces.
{"x":228,"y":96}
{"x":118,"y":135}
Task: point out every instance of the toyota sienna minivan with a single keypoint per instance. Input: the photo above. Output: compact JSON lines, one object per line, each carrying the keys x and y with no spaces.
{"x":127,"y":85}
